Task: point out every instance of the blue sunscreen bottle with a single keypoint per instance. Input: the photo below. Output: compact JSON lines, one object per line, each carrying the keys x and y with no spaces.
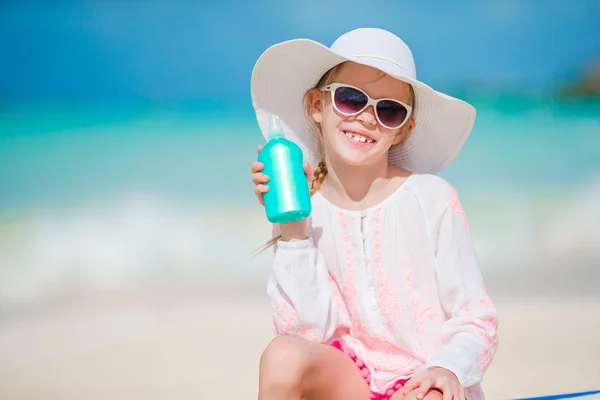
{"x":288,"y":198}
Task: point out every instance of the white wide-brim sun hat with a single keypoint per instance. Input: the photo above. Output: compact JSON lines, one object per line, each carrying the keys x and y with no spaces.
{"x":286,"y":71}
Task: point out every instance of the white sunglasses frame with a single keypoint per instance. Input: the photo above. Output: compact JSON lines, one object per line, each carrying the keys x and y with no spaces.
{"x":370,"y":102}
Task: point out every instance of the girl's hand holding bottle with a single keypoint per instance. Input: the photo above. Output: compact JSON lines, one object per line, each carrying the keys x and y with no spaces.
{"x":290,"y":231}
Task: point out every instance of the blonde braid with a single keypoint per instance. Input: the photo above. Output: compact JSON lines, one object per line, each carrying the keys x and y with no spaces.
{"x":318,"y":177}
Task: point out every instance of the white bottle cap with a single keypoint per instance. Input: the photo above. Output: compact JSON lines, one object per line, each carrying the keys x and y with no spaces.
{"x":275,"y":130}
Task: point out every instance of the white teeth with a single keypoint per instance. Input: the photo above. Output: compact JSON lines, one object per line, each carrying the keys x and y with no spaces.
{"x":357,"y":138}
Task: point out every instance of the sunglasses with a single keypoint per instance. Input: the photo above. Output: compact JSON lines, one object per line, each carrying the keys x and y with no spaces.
{"x":349,"y":100}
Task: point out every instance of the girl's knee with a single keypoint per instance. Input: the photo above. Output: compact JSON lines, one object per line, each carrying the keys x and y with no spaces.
{"x":284,"y":362}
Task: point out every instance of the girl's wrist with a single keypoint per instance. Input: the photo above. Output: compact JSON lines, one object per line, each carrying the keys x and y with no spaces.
{"x":293,"y":231}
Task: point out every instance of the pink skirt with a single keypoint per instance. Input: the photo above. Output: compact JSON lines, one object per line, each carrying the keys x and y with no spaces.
{"x":367,"y":374}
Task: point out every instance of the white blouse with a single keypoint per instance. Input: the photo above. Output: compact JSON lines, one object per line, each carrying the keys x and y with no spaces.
{"x":398,"y":283}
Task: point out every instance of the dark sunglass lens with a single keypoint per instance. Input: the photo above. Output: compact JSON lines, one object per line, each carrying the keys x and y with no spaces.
{"x":391,"y":113}
{"x":349,"y":100}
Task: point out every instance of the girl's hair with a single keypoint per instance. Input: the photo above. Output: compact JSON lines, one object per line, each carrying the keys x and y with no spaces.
{"x":320,"y":172}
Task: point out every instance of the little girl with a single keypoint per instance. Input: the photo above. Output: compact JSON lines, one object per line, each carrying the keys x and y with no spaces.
{"x":377,"y":295}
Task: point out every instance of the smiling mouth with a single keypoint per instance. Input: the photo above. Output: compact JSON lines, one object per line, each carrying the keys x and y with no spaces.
{"x":358,"y":138}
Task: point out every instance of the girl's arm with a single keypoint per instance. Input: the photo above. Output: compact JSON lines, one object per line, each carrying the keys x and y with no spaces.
{"x":469,"y":336}
{"x":300,"y":290}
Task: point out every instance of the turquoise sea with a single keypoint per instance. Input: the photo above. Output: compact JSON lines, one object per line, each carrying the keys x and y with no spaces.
{"x":95,"y":197}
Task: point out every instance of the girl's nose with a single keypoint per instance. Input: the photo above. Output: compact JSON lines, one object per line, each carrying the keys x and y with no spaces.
{"x":367,"y":116}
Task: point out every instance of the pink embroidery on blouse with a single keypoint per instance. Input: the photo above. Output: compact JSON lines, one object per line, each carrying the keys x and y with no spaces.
{"x":425,"y":317}
{"x":421,"y":317}
{"x":486,"y":329}
{"x":488,"y":334}
{"x":457,"y":207}
{"x":306,"y":334}
{"x":336,"y":295}
{"x":391,"y":305}
{"x":486,"y":301}
{"x":348,"y":285}
{"x":284,"y":318}
{"x":466,"y":309}
{"x":382,"y":354}
{"x":487,"y":355}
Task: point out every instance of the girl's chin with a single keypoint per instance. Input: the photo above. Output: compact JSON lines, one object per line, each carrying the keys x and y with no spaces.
{"x":355,"y":158}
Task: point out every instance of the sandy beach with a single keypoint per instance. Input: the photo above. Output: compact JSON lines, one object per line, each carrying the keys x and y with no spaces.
{"x":193,"y":343}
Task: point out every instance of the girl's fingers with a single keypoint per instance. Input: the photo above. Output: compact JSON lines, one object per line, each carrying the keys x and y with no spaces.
{"x":411,"y":385}
{"x":459,"y":393}
{"x":449,"y":393}
{"x":259,"y":190}
{"x":308,"y":171}
{"x":259,"y":178}
{"x":257,"y":167}
{"x":424,"y":388}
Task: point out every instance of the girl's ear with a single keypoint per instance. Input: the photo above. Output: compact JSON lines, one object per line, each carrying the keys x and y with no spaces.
{"x":404,"y":132}
{"x":315,"y":102}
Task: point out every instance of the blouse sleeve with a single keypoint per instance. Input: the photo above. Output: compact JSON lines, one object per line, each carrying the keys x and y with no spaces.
{"x":300,"y":293}
{"x":469,"y":335}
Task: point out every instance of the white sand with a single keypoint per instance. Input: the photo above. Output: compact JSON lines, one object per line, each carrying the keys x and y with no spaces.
{"x":182,"y":345}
